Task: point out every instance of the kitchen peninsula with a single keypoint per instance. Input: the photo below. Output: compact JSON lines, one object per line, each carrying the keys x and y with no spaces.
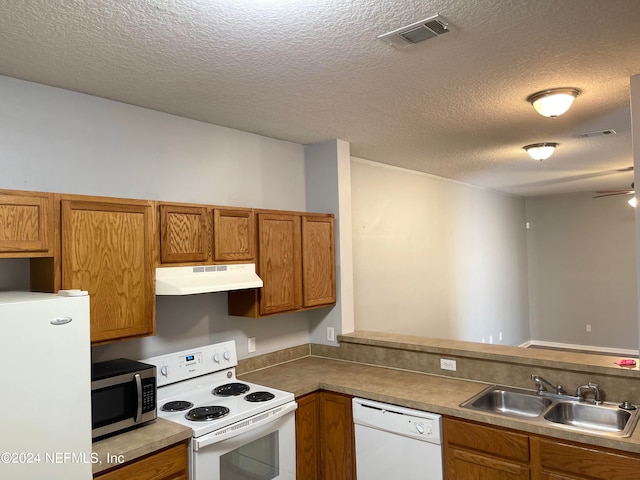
{"x":404,"y":370}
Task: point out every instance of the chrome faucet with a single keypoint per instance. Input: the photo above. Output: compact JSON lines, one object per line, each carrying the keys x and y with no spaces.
{"x":589,"y":386}
{"x":541,"y":382}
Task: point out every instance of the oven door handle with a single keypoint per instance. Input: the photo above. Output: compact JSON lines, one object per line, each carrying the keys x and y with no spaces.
{"x":138,"y":380}
{"x":244,"y":425}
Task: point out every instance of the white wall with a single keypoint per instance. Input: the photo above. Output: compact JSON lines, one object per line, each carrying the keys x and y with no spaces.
{"x":61,"y":141}
{"x":437,"y":258}
{"x":582,"y":270}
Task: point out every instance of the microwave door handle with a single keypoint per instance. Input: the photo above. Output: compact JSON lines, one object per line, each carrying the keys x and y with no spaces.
{"x":139,"y":394}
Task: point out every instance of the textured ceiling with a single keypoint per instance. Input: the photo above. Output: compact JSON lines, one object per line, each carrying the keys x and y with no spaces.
{"x":313,"y":70}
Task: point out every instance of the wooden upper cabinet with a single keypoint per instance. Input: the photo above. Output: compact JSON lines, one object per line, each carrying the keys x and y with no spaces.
{"x":26,"y":224}
{"x":233,"y":235}
{"x":107,"y":249}
{"x":296,"y":261}
{"x":200,"y":234}
{"x":318,"y":260}
{"x":184,"y":234}
{"x":280,"y":265}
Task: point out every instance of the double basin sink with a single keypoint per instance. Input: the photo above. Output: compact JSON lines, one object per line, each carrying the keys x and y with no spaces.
{"x":607,"y":419}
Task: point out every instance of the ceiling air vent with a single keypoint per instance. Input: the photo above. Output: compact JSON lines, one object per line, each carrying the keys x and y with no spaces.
{"x":596,"y":134}
{"x":417,"y":32}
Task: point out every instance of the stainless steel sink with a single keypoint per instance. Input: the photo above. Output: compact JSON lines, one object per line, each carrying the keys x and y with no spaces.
{"x":562,"y":411}
{"x":587,"y":417}
{"x":509,"y":401}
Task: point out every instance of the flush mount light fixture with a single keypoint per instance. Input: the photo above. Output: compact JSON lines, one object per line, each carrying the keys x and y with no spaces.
{"x":553,"y":102}
{"x":541,"y":151}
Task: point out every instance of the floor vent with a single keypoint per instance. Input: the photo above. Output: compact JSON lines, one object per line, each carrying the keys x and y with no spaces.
{"x":417,"y":32}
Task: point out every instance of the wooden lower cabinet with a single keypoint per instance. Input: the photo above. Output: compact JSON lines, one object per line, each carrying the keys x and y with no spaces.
{"x":308,"y":437}
{"x":325,"y":437}
{"x":480,"y":452}
{"x":474,"y":451}
{"x":557,"y":459}
{"x":171,"y":463}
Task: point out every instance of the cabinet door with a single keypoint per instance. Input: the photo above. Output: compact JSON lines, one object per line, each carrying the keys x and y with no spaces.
{"x":26,"y":224}
{"x":481,"y":452}
{"x":308,"y":437}
{"x":233,"y":235}
{"x":168,"y":464}
{"x":184,"y":235}
{"x":318,"y":261}
{"x":337,"y":439}
{"x":107,"y":250}
{"x":561,"y":459}
{"x":280,"y":264}
{"x":464,"y":465}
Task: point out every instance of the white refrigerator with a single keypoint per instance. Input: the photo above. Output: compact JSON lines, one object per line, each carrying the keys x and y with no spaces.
{"x":45,"y":393}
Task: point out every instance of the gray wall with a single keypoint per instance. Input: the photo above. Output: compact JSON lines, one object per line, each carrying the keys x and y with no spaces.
{"x":329,"y":190}
{"x":437,"y":258}
{"x":582,"y":270}
{"x":430,"y":256}
{"x":61,"y":141}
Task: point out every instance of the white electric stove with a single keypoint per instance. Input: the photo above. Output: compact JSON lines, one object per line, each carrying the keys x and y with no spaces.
{"x":240,"y":429}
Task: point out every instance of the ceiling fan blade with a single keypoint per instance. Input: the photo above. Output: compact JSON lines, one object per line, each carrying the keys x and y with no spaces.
{"x":614,"y":191}
{"x":622,"y":192}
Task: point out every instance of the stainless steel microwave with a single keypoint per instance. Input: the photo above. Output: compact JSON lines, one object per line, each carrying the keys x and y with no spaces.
{"x":123,"y":396}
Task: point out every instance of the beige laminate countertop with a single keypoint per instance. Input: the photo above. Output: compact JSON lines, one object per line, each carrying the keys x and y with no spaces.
{"x":432,"y":393}
{"x":125,"y":447}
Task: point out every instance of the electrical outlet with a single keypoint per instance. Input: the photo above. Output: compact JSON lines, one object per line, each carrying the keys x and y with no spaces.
{"x":490,"y":338}
{"x":500,"y":336}
{"x":331,"y":334}
{"x":588,"y":328}
{"x":446,"y":364}
{"x":251,"y":344}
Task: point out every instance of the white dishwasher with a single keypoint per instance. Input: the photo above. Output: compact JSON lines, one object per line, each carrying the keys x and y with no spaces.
{"x":395,"y":442}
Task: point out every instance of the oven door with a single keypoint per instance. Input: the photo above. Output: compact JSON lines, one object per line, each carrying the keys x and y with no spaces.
{"x":260,"y":448}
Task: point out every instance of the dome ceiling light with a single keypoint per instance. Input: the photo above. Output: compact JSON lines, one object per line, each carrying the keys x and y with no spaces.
{"x":541,"y":151}
{"x":553,"y":102}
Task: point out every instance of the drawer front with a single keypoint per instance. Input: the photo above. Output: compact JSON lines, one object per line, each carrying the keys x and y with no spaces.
{"x":167,"y":464}
{"x":581,"y":461}
{"x":490,"y":440}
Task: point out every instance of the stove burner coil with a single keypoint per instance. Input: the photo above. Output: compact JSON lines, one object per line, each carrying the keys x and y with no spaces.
{"x":176,"y":406}
{"x":206,"y":414}
{"x":231,"y":389}
{"x":259,"y":397}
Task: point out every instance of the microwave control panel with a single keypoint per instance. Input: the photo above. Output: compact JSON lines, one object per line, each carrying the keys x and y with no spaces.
{"x":192,"y":363}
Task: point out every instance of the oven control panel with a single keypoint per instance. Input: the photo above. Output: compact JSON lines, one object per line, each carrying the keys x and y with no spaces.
{"x":192,"y":363}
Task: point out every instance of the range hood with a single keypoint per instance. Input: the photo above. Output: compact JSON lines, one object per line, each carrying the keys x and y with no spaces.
{"x":206,"y":279}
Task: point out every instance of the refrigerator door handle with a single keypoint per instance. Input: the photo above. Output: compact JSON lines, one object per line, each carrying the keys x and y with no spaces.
{"x":139,"y":393}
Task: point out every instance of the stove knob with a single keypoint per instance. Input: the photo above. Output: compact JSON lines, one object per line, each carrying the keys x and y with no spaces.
{"x":164,"y":371}
{"x":216,"y":357}
{"x":227,"y":355}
